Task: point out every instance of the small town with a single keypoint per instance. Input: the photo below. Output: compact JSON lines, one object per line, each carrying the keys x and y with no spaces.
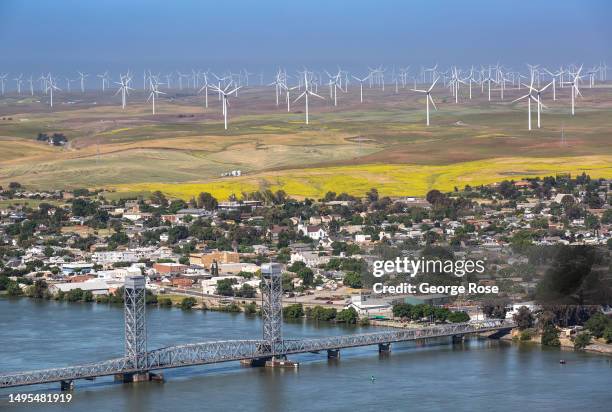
{"x":79,"y":246}
{"x":319,"y":206}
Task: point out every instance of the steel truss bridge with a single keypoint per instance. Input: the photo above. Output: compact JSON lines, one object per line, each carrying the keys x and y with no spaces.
{"x":231,"y":350}
{"x":235,"y":350}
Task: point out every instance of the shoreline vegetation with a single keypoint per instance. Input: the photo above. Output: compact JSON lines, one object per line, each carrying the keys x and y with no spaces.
{"x":564,"y":344}
{"x":290,"y":311}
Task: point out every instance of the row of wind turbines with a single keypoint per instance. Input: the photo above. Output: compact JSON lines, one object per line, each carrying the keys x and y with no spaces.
{"x":496,"y":78}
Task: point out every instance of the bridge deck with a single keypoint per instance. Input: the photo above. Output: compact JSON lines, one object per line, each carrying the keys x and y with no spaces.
{"x":234,"y":350}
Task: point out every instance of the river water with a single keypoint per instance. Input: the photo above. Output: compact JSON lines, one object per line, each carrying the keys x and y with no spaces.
{"x":475,"y":375}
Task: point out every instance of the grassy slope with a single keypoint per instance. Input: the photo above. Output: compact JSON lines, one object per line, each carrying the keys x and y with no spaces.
{"x":183,"y":149}
{"x":393,"y":180}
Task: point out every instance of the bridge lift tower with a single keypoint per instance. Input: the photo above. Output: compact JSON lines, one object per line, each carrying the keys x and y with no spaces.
{"x":272,"y":314}
{"x":272,"y":307}
{"x":135,"y":328}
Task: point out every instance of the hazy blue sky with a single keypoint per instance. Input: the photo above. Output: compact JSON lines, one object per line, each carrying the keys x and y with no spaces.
{"x":63,"y":35}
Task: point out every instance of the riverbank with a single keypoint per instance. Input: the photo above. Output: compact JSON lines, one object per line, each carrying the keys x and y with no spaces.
{"x":598,"y":347}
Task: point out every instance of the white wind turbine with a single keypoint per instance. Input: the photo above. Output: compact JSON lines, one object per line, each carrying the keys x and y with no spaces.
{"x":124,"y":89}
{"x":428,"y":97}
{"x":168,"y":81}
{"x":591,"y":73}
{"x":554,"y":81}
{"x":223,"y":79}
{"x":2,"y":80}
{"x":154,"y":93}
{"x":538,"y":99}
{"x":454,"y":83}
{"x":488,"y":80}
{"x":43,"y":83}
{"x":470,"y":79}
{"x":246,"y":76}
{"x":575,"y":89}
{"x":403,"y":74}
{"x":279,"y":82}
{"x":18,"y":81}
{"x":225,"y":94}
{"x":68,"y":81}
{"x":534,"y":72}
{"x":432,"y":70}
{"x":307,"y":92}
{"x":205,"y":88}
{"x":82,"y":78}
{"x":31,"y":82}
{"x":50,"y":87}
{"x":333,"y":86}
{"x":104,"y":78}
{"x":361,"y":85}
{"x":287,"y":97}
{"x":529,"y":97}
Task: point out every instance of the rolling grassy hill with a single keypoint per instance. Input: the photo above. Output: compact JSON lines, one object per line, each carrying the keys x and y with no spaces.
{"x":382,"y":143}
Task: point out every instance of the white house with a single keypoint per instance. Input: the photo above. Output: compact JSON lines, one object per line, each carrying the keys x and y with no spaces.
{"x":234,"y":268}
{"x":312,"y":231}
{"x":310,"y":259}
{"x":361,"y":238}
{"x":114,"y":256}
{"x":516,"y":306}
{"x":95,"y":286}
{"x":366,"y":307}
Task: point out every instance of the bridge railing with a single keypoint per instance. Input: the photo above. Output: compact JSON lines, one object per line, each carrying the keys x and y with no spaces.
{"x":206,"y":352}
{"x":398,"y":335}
{"x":89,"y":370}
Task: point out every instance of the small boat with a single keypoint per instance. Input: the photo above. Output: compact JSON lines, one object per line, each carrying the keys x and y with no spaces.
{"x":562,"y":361}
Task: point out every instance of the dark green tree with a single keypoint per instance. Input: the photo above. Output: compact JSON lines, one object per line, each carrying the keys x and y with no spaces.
{"x":352,"y":280}
{"x":458,"y":317}
{"x":246,"y":291}
{"x":307,"y":276}
{"x":188,"y":303}
{"x":349,"y":316}
{"x":550,"y":336}
{"x":224,"y":287}
{"x":207,"y":201}
{"x":597,"y":324}
{"x":582,"y":340}
{"x":294,"y":311}
{"x":523,"y":318}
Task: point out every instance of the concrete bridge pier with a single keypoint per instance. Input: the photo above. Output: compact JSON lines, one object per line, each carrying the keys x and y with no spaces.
{"x":333,"y":354}
{"x":496,"y":334}
{"x":281,"y":362}
{"x":255,"y":362}
{"x":384,"y":348}
{"x":458,"y":338}
{"x":66,"y":385}
{"x":143,"y":376}
{"x":277,"y":361}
